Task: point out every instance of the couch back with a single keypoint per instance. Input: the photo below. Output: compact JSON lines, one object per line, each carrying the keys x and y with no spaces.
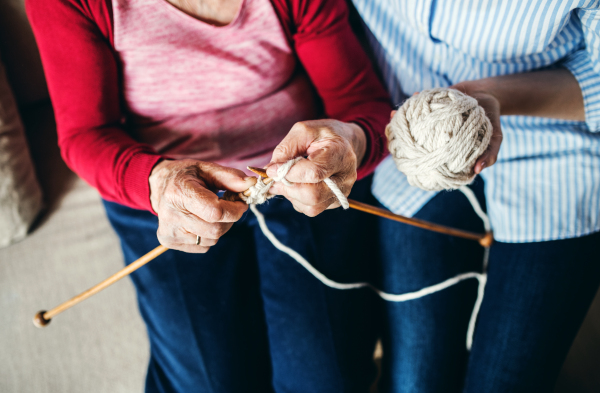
{"x":20,"y":54}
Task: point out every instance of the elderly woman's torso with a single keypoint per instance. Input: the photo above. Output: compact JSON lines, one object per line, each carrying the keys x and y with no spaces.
{"x":226,"y":94}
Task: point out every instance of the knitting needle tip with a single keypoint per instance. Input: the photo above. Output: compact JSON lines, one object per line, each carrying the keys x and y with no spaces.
{"x":259,"y":171}
{"x":39,"y":320}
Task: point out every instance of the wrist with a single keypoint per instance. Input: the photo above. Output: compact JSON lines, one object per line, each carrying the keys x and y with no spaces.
{"x":358,"y":141}
{"x":486,"y":89}
{"x":487,"y":92}
{"x":156,"y":181}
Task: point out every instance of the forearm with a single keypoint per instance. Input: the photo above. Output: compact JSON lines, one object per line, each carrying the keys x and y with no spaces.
{"x":548,"y":93}
{"x":113,"y":163}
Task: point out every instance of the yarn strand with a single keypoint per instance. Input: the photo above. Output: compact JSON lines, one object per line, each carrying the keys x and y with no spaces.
{"x":259,"y":193}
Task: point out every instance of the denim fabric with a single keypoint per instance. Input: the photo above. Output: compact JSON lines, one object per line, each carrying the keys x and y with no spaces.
{"x":245,"y":317}
{"x":536,"y":297}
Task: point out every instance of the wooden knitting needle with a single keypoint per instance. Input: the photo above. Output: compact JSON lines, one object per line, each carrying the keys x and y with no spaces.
{"x":43,"y":318}
{"x":485,"y":239}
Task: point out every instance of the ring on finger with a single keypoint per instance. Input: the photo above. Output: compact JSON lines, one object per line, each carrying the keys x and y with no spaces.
{"x":197,"y":240}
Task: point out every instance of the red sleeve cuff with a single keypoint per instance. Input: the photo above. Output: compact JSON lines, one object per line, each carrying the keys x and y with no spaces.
{"x":135,"y":186}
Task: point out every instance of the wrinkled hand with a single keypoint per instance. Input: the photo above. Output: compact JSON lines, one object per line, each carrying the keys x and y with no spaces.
{"x":333,"y":149}
{"x":486,"y":99}
{"x":182,"y":193}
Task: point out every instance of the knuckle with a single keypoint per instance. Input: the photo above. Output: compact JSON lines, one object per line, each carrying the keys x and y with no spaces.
{"x":300,"y":126}
{"x":315,"y":174}
{"x":312,"y":211}
{"x":165,"y":216}
{"x":166,"y":241}
{"x":282,"y":150}
{"x":314,"y":196}
{"x":216,"y":231}
{"x":297,"y":208}
{"x":213,"y":213}
{"x":350,"y":156}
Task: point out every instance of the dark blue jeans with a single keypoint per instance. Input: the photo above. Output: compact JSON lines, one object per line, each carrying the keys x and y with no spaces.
{"x":247,"y":318}
{"x":536,"y":297}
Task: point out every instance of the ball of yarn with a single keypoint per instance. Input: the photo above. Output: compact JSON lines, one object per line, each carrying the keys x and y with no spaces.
{"x":436,"y":137}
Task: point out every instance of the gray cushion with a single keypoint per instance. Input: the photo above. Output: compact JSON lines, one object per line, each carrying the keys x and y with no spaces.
{"x":20,"y":194}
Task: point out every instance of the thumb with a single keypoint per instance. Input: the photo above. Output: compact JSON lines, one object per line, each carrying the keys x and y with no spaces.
{"x":219,"y":177}
{"x":295,"y":144}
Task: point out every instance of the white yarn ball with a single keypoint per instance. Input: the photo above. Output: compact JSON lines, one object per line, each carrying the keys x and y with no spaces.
{"x":436,"y":137}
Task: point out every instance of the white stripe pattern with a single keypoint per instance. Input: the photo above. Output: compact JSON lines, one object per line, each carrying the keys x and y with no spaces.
{"x":546,"y":183}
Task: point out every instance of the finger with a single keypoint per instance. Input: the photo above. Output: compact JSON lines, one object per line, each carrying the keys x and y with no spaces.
{"x":176,"y":239}
{"x":205,"y":230}
{"x":392,"y":114}
{"x":207,"y":206}
{"x":322,"y":163}
{"x":313,"y":211}
{"x":309,"y":194}
{"x":490,"y":156}
{"x":223,"y":178}
{"x":295,"y":144}
{"x":198,"y":240}
{"x":189,"y":248}
{"x":334,"y":205}
{"x":180,"y":225}
{"x":206,"y":242}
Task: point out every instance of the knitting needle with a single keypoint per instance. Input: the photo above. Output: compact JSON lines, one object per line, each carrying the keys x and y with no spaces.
{"x":43,"y":317}
{"x":484,"y":239}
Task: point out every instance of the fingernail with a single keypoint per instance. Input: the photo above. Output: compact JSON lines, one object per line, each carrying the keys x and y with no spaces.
{"x":483,"y":165}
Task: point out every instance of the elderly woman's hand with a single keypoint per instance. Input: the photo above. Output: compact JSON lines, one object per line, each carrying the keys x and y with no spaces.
{"x":333,"y":149}
{"x":183,"y":195}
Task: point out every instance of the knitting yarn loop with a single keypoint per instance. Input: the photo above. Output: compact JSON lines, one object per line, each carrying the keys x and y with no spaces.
{"x":436,"y":137}
{"x":259,"y":191}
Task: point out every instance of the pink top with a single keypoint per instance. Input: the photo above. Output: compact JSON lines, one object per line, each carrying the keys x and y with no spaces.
{"x":223,"y":94}
{"x":99,"y":138}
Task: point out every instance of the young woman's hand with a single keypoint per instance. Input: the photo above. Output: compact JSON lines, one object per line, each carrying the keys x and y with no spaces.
{"x":551,"y":93}
{"x":183,"y":195}
{"x":332,"y":149}
{"x":490,"y":103}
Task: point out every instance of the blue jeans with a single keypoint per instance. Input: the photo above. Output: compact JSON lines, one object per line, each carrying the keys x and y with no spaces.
{"x":245,"y":317}
{"x":536,"y":297}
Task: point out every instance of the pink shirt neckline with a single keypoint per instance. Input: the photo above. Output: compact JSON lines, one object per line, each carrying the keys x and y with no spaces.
{"x":225,"y":94}
{"x":187,"y":18}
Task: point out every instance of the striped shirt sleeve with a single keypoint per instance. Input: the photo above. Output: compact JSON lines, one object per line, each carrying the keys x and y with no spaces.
{"x":584,"y":64}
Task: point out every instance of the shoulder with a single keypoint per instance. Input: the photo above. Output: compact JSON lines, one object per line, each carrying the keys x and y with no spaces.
{"x":308,"y":17}
{"x":65,"y":13}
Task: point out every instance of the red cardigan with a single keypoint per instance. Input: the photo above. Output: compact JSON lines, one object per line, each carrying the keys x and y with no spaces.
{"x":75,"y":38}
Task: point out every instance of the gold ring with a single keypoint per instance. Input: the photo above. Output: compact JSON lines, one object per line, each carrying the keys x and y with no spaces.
{"x":197,"y":240}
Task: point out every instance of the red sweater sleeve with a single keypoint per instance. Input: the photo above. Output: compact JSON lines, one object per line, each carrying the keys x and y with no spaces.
{"x":74,"y":39}
{"x":339,"y":69}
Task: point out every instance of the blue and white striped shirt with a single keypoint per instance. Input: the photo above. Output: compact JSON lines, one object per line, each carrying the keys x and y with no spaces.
{"x":546,"y":183}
